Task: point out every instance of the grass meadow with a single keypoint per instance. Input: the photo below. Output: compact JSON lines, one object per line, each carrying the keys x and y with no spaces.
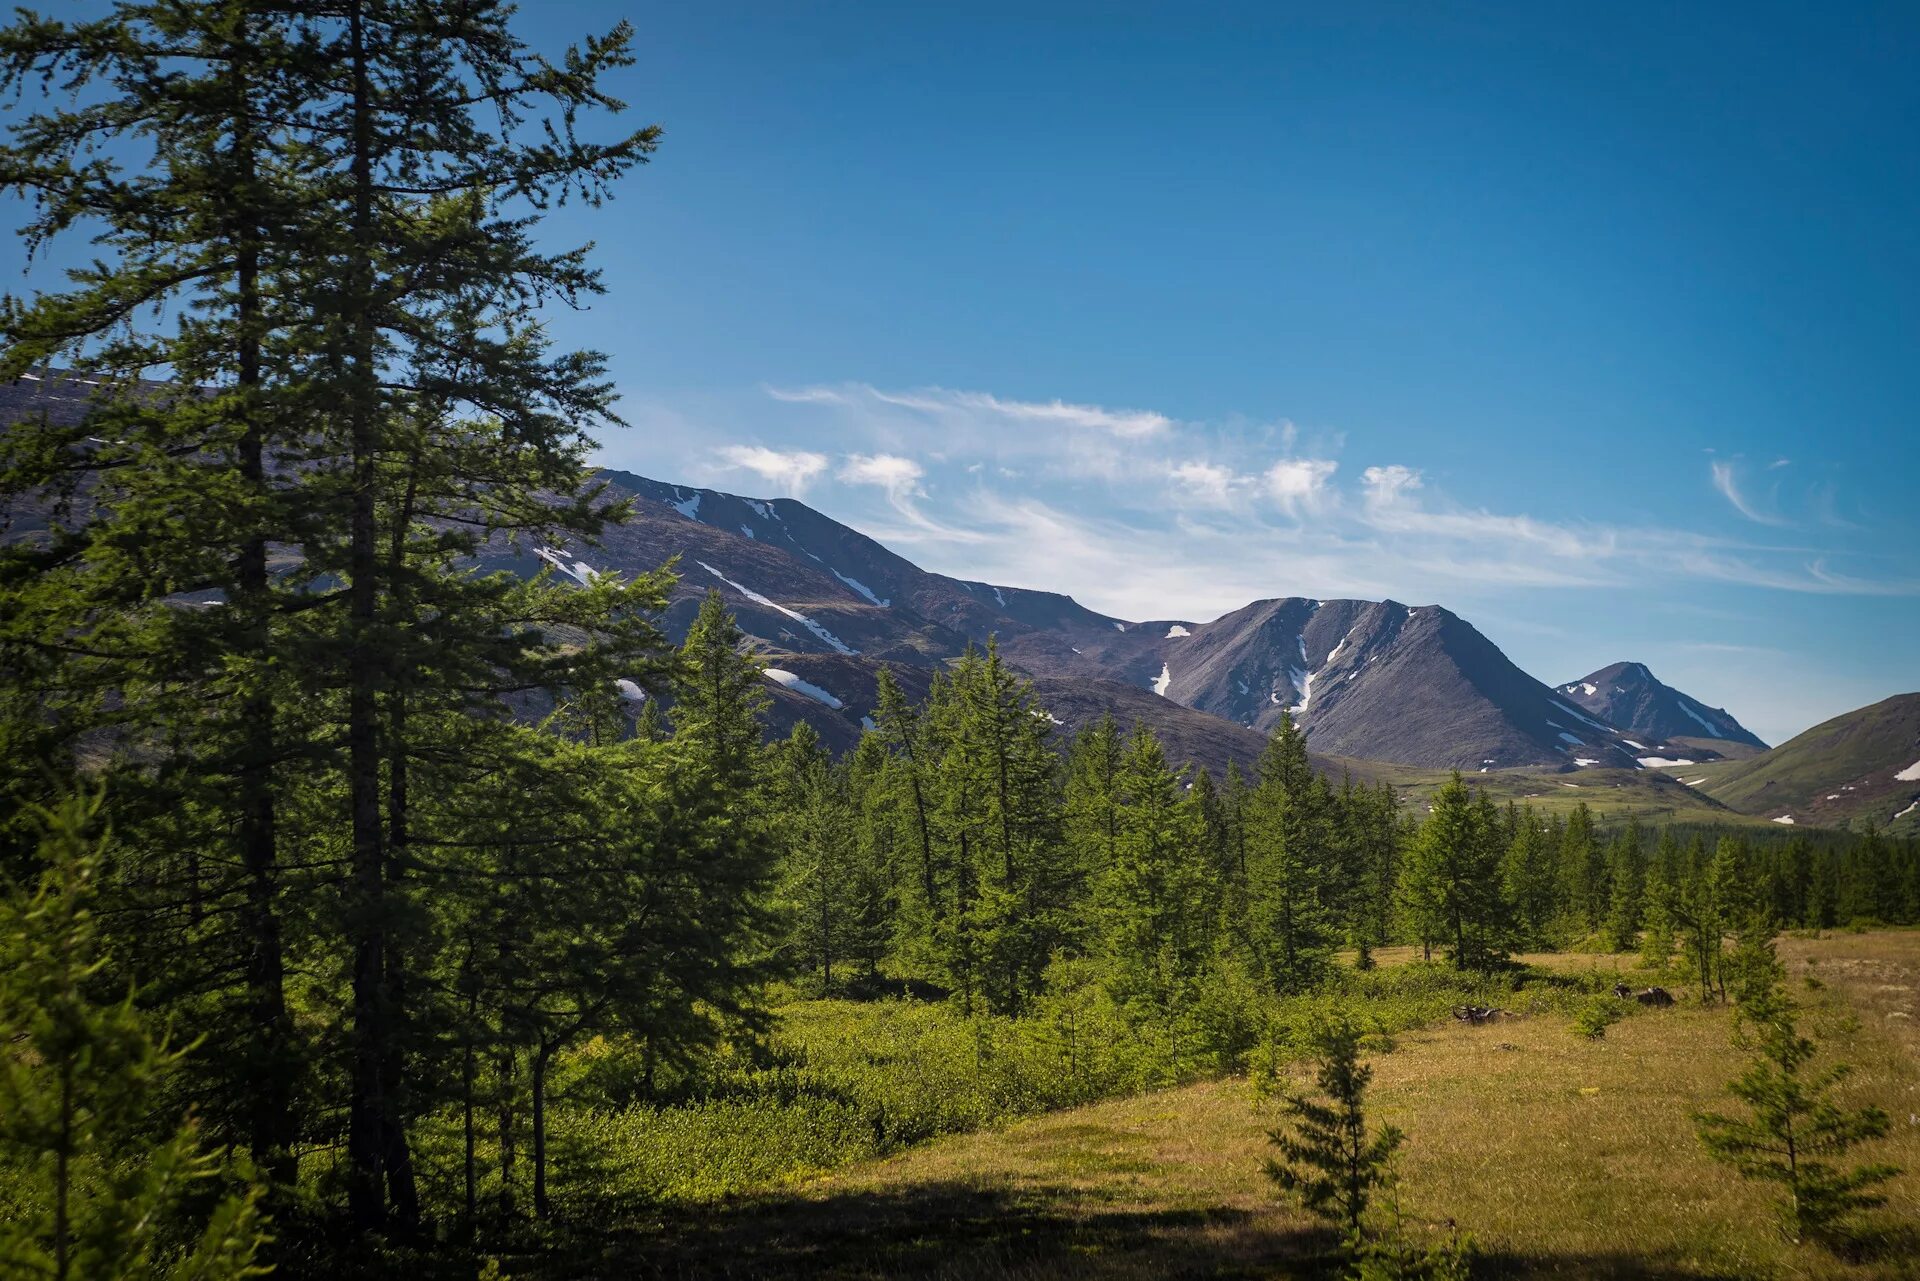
{"x":1562,"y":1155}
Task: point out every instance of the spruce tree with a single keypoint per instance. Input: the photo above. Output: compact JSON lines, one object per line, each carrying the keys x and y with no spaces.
{"x":1452,"y":878}
{"x":335,"y":229}
{"x":1794,"y":1129}
{"x":1290,"y":920}
{"x":1092,"y":801}
{"x":1157,"y":902}
{"x":1527,"y":873}
{"x":1657,"y":940}
{"x":906,"y":800}
{"x":1583,"y":882}
{"x":820,"y":879}
{"x":1627,"y":885}
{"x":1329,"y":1160}
{"x":999,"y":816}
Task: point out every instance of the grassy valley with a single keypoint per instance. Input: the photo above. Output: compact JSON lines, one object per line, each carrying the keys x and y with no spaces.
{"x":1561,"y":1155}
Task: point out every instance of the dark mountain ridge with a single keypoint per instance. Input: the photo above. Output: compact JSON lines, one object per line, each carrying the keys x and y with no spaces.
{"x":1632,"y":697}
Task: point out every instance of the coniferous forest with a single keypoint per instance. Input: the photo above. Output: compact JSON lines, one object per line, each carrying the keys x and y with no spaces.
{"x":365,"y":912}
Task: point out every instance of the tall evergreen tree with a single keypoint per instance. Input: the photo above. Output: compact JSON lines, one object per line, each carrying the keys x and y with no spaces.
{"x":1453,"y":877}
{"x":1291,"y":920}
{"x":336,"y":230}
{"x":1626,"y":875}
{"x":1527,"y":873}
{"x":1157,"y":901}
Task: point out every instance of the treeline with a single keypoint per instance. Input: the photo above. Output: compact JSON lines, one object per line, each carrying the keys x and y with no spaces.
{"x":954,"y":848}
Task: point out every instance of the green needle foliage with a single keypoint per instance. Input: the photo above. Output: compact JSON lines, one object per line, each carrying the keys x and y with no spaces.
{"x":1794,"y":1128}
{"x":1328,"y":1160}
{"x":97,"y":1191}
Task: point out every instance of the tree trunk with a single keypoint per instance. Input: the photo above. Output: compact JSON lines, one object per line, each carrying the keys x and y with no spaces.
{"x":508,"y":1062}
{"x":542,"y":1208}
{"x":402,"y":1193}
{"x":270,"y":1120}
{"x":367,"y":1132}
{"x":471,"y":1188}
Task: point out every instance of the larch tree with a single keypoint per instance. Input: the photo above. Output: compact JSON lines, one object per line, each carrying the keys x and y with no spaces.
{"x":1157,"y":901}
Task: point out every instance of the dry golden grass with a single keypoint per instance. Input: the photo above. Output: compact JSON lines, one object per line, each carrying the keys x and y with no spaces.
{"x":1562,"y":1156}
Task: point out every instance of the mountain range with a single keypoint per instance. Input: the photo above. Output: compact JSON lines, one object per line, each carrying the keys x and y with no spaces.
{"x":1413,"y":685}
{"x":1377,"y":686}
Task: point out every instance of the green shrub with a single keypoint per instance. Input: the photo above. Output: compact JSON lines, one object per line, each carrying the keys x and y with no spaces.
{"x":1596,"y":1014}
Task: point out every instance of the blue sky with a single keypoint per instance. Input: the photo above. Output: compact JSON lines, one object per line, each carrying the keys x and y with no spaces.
{"x":1598,"y":324}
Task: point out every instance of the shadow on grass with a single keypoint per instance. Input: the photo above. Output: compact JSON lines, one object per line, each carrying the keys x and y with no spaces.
{"x":1878,"y":1241}
{"x":938,"y":1232}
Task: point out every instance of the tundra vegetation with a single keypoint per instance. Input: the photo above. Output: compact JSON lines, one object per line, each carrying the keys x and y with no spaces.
{"x":355,"y":920}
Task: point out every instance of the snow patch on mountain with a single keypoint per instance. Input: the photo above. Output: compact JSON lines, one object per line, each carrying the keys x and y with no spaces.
{"x":579,"y":571}
{"x":1577,"y":714}
{"x":1785,"y":818}
{"x":629,"y":691}
{"x":1660,"y":762}
{"x":1302,"y":681}
{"x":860,"y":587}
{"x":1911,"y":774}
{"x":1177,"y":630}
{"x":688,"y":507}
{"x":1164,"y":679}
{"x":1712,"y":729}
{"x":781,"y":676}
{"x":825,"y":635}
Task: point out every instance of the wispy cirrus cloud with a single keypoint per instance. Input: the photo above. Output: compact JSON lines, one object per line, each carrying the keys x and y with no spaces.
{"x":1125,"y":507}
{"x":1127,"y":424}
{"x":1727,"y":482}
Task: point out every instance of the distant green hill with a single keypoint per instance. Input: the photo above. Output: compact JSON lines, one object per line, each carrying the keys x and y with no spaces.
{"x":1864,"y":765}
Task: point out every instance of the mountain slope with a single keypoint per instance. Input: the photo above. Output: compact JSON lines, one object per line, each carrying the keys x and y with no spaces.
{"x":1861,"y":765}
{"x":1632,"y":697}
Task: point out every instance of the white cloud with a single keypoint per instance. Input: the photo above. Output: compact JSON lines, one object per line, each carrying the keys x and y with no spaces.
{"x":1299,"y":482}
{"x":890,"y":472}
{"x":1209,"y":483}
{"x":1729,"y":487}
{"x":792,"y":470}
{"x":1387,"y":484}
